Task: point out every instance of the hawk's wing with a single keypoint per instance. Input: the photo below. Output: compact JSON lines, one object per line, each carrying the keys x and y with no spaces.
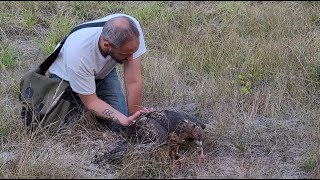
{"x":147,"y":130}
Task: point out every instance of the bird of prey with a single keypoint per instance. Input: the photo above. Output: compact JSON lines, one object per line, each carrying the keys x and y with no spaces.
{"x":164,"y":127}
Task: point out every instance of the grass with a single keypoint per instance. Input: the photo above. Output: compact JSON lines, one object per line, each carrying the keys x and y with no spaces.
{"x":7,"y":55}
{"x":249,"y":70}
{"x":310,"y":164}
{"x":60,"y":26}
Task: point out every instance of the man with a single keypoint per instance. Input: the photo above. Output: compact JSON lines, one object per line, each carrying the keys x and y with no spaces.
{"x":88,"y":62}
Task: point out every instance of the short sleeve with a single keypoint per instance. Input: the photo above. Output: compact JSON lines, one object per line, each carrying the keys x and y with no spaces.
{"x":81,"y":83}
{"x":142,"y":46}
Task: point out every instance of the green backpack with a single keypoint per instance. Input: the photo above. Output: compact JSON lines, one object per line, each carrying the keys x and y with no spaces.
{"x":47,"y":101}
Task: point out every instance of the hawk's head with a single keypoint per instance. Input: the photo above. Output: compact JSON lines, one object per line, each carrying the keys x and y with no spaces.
{"x":184,"y":128}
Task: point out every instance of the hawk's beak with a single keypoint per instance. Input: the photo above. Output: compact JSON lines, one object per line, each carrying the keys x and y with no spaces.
{"x":199,"y":143}
{"x":199,"y":149}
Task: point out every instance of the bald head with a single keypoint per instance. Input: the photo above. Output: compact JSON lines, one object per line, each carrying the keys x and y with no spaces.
{"x":120,"y":30}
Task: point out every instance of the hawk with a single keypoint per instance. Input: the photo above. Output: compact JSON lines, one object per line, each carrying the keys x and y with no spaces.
{"x":166,"y":126}
{"x":162,"y":127}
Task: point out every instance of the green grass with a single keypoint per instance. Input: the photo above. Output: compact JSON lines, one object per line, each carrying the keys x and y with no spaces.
{"x":4,"y":132}
{"x":310,"y":164}
{"x":146,"y":12}
{"x":30,"y":14}
{"x":8,"y":56}
{"x":60,"y":26}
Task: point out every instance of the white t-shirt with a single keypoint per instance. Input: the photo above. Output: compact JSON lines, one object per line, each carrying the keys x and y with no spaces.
{"x":80,"y":61}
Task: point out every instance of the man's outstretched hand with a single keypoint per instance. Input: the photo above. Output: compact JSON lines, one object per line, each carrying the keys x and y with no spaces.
{"x":132,"y":119}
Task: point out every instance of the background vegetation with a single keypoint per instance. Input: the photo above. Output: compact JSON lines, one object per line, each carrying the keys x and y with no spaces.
{"x":249,"y":70}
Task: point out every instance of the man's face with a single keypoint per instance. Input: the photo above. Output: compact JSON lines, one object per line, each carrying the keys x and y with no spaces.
{"x":124,"y":53}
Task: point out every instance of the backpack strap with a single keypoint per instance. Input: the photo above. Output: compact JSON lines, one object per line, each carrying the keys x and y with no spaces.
{"x":48,"y":62}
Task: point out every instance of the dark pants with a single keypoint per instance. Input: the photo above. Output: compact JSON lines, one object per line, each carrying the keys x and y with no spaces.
{"x":109,"y":90}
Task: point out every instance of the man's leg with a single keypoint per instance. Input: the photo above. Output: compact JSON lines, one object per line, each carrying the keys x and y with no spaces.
{"x":109,"y":90}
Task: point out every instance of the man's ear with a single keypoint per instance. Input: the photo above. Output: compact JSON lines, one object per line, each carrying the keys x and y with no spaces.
{"x":106,"y":44}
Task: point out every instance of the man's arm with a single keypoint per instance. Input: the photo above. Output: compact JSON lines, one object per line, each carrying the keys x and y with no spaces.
{"x":105,"y":111}
{"x":133,"y":84}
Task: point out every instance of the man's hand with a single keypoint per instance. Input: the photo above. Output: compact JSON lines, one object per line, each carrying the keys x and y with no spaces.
{"x":132,"y":119}
{"x":105,"y":111}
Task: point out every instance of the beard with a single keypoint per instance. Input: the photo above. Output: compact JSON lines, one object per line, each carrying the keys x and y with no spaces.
{"x":119,"y":61}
